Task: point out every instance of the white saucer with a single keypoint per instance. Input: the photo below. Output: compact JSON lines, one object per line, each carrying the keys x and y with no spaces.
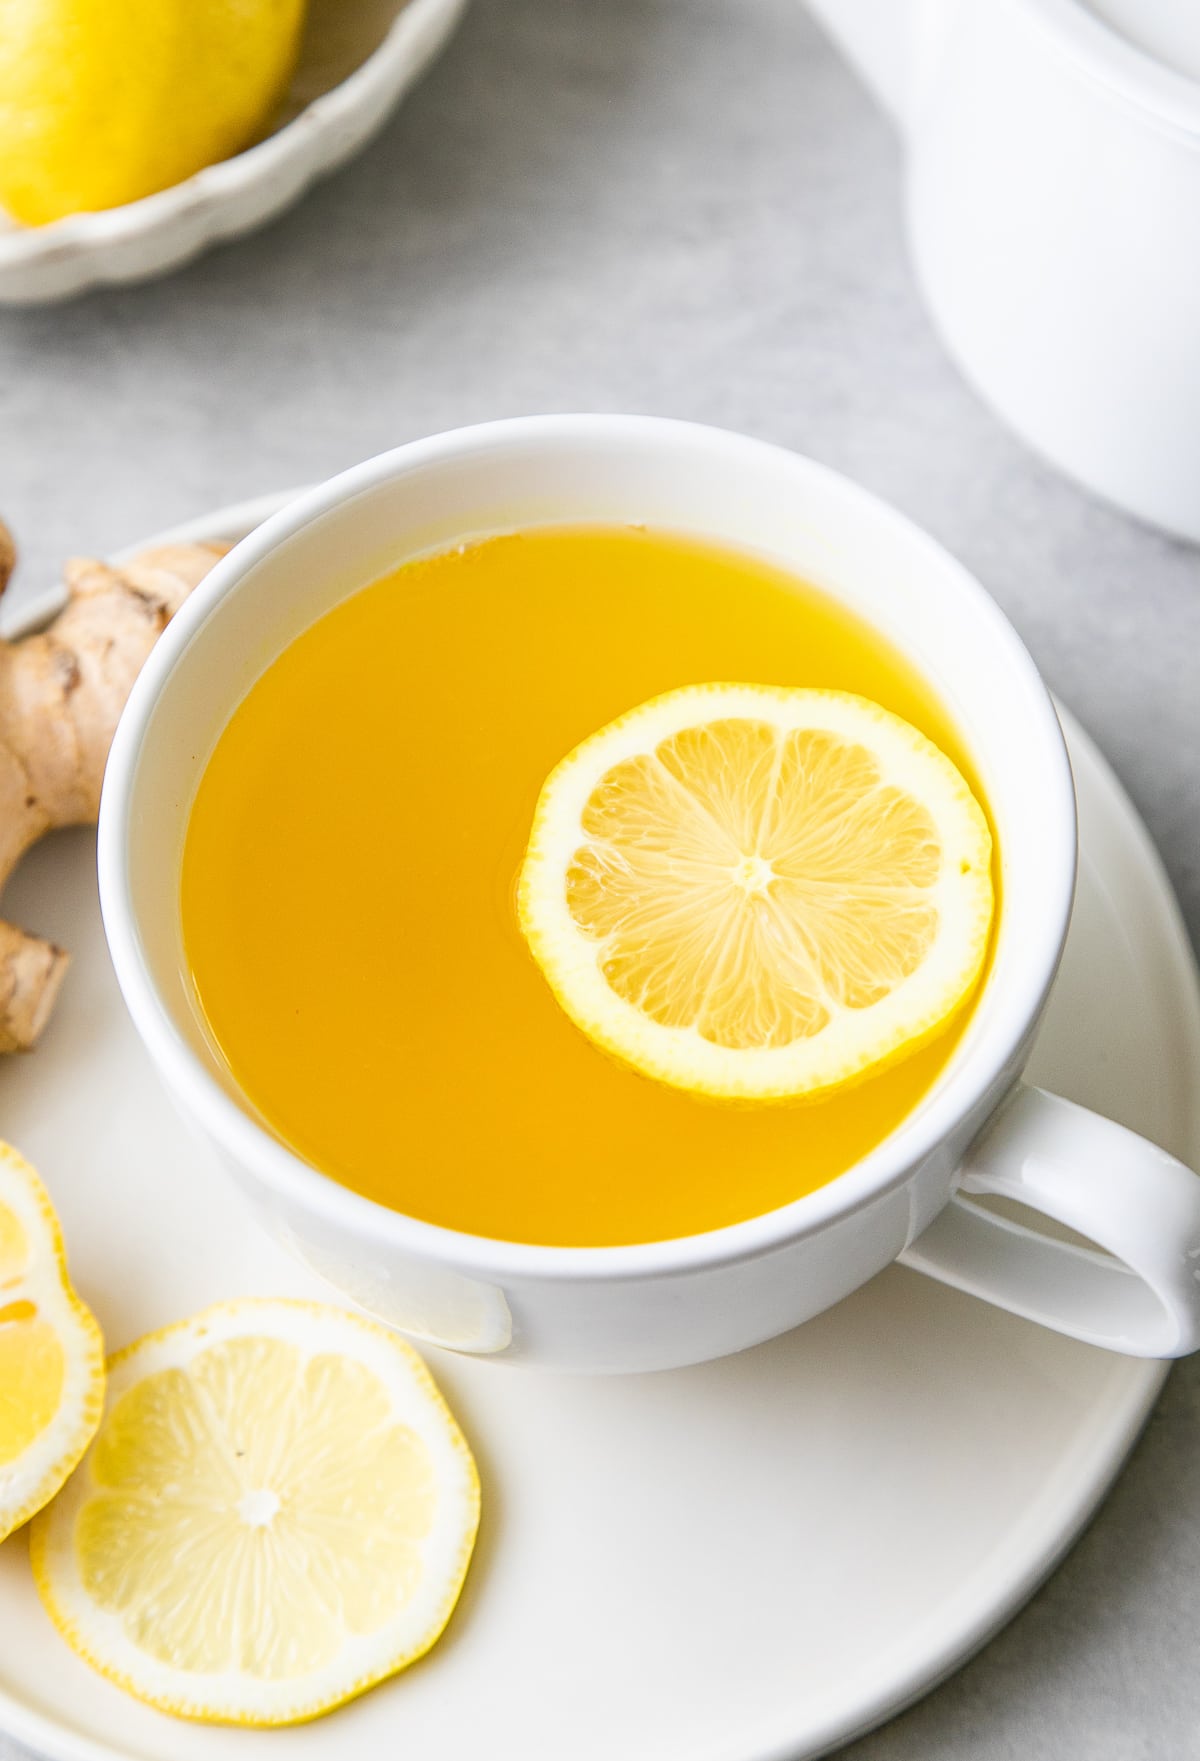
{"x":754,"y":1559}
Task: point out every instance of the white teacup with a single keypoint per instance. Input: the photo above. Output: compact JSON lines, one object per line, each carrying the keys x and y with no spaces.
{"x":978,"y":1130}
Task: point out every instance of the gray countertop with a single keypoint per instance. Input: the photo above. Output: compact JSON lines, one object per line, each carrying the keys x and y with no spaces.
{"x":686,"y":207}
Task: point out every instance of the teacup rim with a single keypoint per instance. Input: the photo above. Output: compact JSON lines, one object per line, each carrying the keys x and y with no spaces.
{"x":253,"y":1148}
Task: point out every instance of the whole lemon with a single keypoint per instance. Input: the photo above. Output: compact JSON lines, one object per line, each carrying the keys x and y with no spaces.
{"x":103,"y":101}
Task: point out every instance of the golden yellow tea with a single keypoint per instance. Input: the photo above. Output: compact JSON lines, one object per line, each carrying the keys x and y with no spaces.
{"x":349,"y":874}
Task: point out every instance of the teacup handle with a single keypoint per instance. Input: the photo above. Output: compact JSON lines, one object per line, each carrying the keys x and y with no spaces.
{"x":1104,"y":1182}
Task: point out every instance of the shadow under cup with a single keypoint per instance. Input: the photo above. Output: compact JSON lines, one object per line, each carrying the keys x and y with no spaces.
{"x":477,"y":1294}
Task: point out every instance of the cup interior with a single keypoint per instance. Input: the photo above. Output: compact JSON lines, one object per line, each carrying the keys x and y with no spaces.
{"x":567,"y":470}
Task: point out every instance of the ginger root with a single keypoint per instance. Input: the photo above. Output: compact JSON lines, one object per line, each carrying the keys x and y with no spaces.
{"x":61,"y":693}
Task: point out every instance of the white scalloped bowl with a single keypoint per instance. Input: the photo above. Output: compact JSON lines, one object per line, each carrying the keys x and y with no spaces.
{"x":358,"y":59}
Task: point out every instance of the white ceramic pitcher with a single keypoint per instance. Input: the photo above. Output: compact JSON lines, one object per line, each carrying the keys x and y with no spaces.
{"x":1054,"y":219}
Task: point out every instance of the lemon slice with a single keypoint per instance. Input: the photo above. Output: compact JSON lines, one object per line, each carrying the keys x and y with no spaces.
{"x":51,"y":1353}
{"x":278,"y":1512}
{"x":757,"y":894}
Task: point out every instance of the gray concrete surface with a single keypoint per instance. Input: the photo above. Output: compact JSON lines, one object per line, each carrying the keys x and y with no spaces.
{"x":686,"y":207}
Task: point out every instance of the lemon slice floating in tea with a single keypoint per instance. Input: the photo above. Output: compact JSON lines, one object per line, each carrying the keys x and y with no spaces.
{"x":758,"y":894}
{"x":51,"y":1353}
{"x":278,"y":1512}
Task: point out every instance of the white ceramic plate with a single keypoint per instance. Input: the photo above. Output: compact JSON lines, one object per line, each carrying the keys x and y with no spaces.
{"x":746,"y":1561}
{"x":359,"y":58}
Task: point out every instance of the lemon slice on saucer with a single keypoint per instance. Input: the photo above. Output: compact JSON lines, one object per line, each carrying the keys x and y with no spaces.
{"x":277,"y":1512}
{"x":51,"y":1353}
{"x":758,"y":894}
